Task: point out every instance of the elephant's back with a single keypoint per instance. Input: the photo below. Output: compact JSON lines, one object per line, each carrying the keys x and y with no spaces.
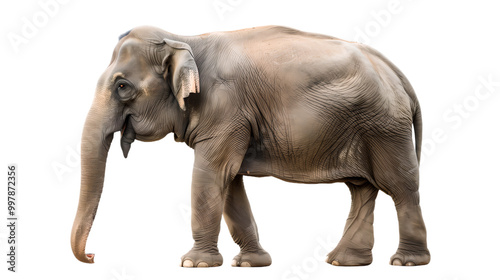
{"x":281,"y":48}
{"x":294,"y":60}
{"x":306,"y":80}
{"x":319,"y":76}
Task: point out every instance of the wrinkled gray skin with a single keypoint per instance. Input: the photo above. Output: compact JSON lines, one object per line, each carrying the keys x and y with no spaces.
{"x":268,"y":101}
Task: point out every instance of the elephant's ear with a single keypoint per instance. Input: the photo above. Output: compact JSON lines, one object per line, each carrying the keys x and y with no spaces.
{"x":180,"y":70}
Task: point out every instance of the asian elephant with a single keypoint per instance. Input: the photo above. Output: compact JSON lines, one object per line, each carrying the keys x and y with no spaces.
{"x":266,"y":101}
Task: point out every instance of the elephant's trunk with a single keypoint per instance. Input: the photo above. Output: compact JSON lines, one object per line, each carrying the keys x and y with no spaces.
{"x":96,"y":139}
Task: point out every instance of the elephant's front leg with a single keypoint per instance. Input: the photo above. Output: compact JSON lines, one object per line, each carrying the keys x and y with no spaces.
{"x":241,"y":224}
{"x":207,"y":200}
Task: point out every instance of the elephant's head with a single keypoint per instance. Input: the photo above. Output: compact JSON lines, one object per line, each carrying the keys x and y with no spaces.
{"x":142,"y":94}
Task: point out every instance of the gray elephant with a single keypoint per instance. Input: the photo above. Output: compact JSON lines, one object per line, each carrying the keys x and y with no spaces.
{"x":267,"y":101}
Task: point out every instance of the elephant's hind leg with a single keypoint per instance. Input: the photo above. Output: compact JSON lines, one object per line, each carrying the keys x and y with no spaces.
{"x":241,"y":224}
{"x":355,"y":247}
{"x":412,"y":249}
{"x":397,"y":174}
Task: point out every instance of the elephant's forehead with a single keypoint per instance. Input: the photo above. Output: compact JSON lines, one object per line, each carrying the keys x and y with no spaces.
{"x":131,"y":50}
{"x":130,"y":60}
{"x":130,"y":47}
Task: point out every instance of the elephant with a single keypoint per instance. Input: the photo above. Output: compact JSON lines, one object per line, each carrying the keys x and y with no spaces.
{"x":265,"y":101}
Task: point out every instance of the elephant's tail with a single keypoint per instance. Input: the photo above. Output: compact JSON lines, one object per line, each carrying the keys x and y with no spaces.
{"x":417,"y":126}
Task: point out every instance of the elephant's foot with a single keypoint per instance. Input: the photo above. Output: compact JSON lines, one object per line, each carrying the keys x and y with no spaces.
{"x":197,"y":258}
{"x":344,"y":255}
{"x":252,"y":259}
{"x":410,"y":258}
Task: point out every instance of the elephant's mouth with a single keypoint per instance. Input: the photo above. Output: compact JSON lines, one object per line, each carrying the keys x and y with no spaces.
{"x":139,"y":129}
{"x":126,"y":125}
{"x":128,"y":136}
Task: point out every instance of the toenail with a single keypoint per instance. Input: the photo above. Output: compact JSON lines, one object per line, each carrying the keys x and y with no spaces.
{"x":203,"y":264}
{"x":397,"y":262}
{"x":187,"y":263}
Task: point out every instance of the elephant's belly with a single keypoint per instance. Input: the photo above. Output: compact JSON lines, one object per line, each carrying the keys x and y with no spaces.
{"x":301,"y":166}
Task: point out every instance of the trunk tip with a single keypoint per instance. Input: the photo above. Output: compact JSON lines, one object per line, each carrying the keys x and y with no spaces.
{"x":90,"y":258}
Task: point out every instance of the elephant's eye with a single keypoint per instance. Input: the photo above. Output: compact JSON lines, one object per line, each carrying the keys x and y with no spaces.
{"x":125,"y":91}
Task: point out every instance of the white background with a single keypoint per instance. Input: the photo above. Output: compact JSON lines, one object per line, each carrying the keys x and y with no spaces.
{"x":142,"y":228}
